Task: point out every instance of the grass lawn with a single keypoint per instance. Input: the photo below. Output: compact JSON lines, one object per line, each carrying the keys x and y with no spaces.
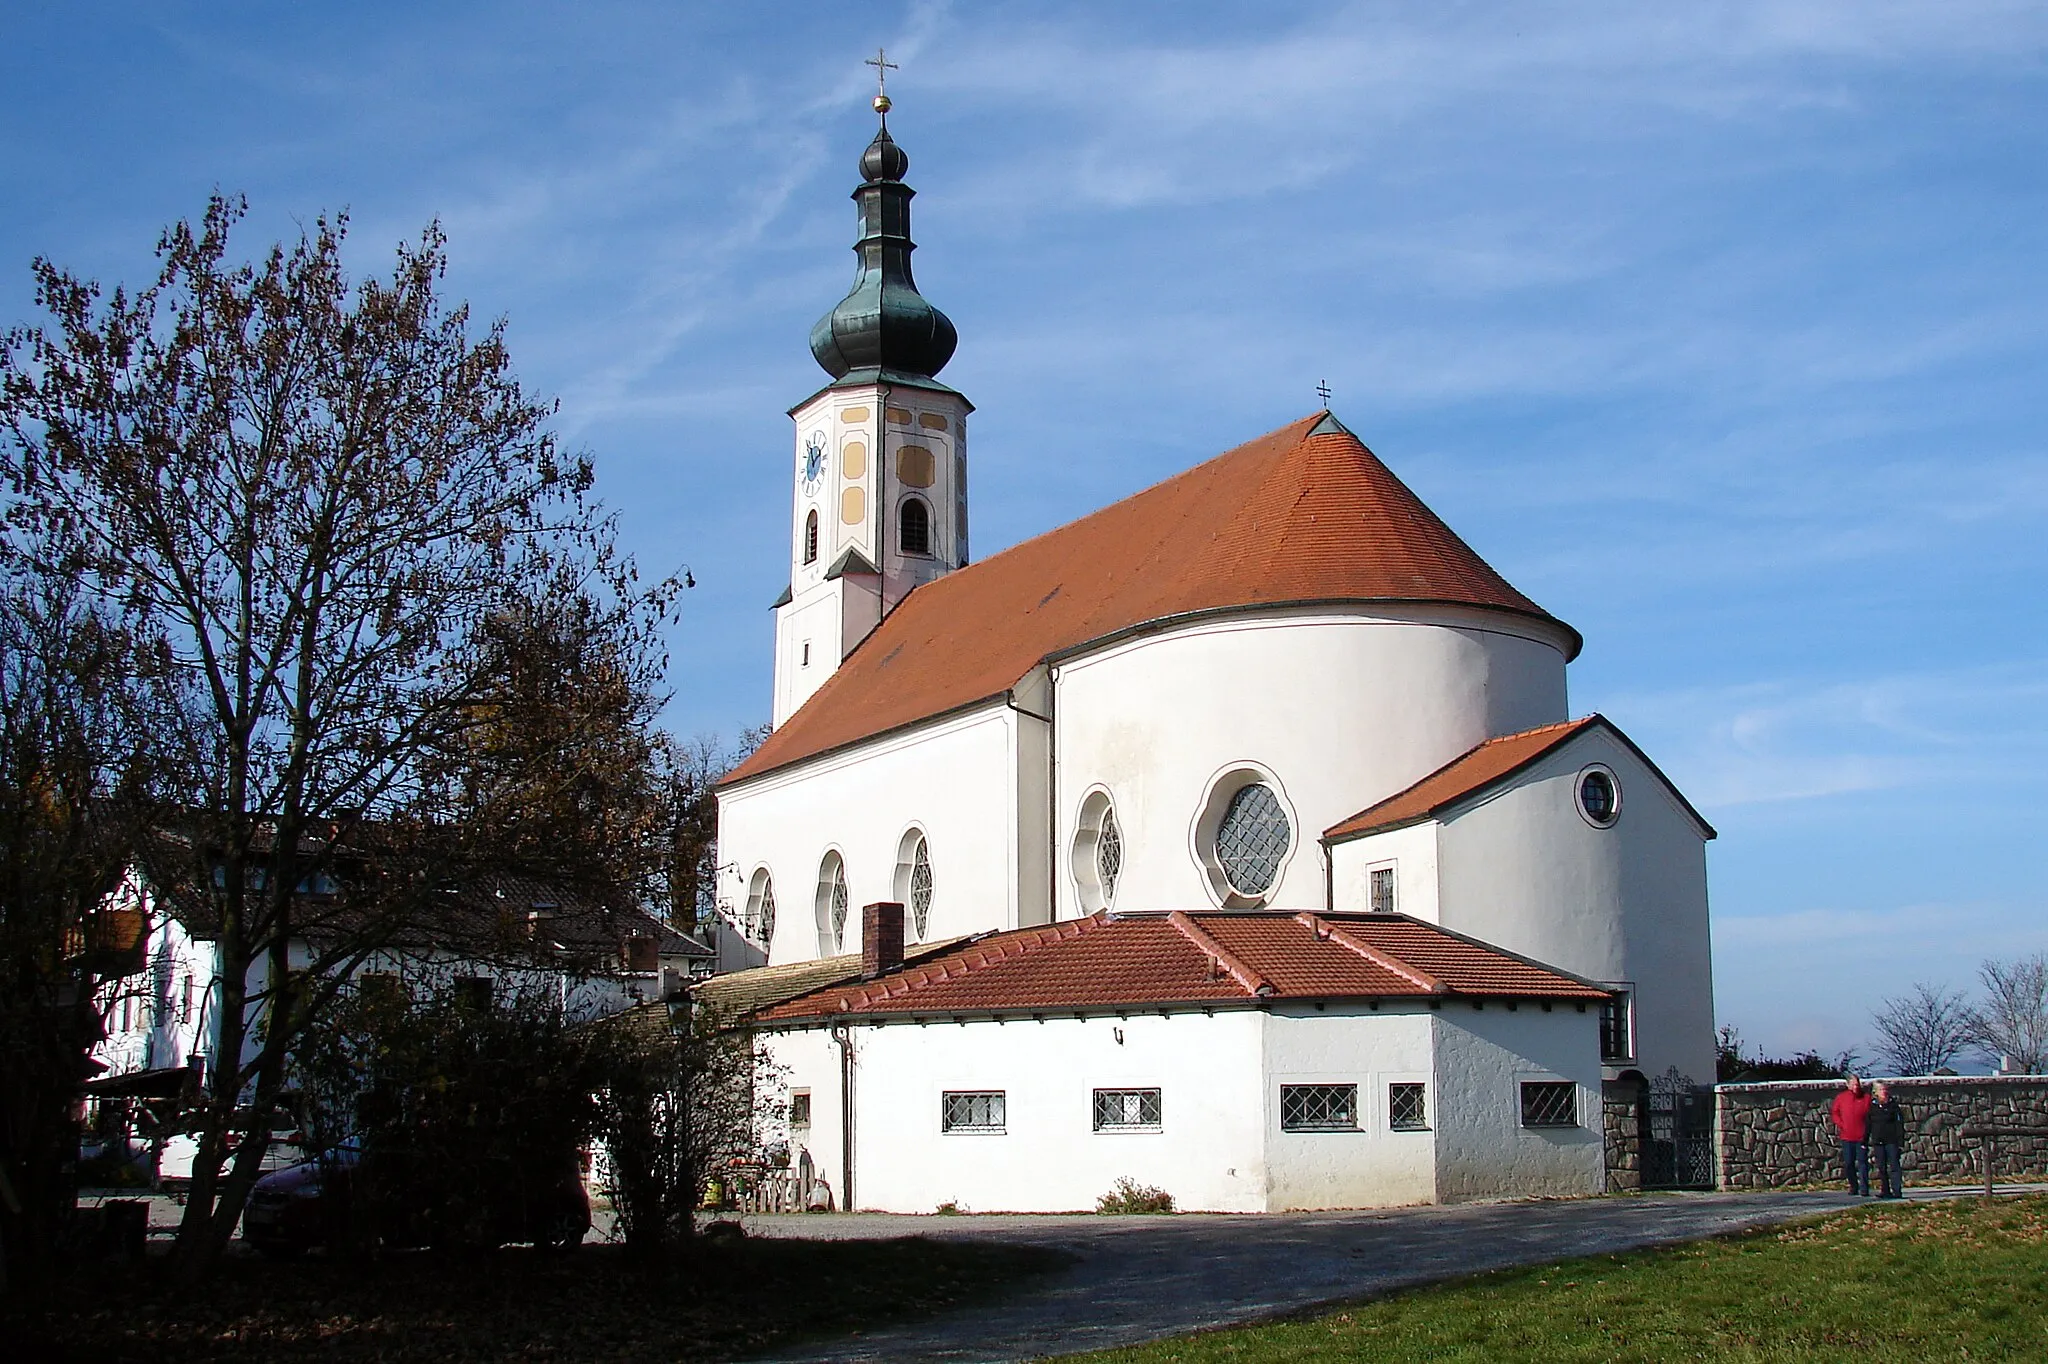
{"x":1955,"y":1280}
{"x":590,"y":1305}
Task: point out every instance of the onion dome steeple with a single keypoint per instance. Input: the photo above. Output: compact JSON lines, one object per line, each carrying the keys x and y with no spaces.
{"x":883,"y":328}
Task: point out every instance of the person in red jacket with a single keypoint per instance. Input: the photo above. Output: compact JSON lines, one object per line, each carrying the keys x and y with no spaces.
{"x":1851,"y":1112}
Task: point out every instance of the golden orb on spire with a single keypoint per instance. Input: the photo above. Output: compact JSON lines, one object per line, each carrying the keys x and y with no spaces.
{"x":882,"y":105}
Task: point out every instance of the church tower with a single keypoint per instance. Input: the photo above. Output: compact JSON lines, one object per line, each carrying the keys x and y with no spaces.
{"x":880,"y":474}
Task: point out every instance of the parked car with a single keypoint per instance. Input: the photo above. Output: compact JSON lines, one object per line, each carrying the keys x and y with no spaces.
{"x":314,"y":1203}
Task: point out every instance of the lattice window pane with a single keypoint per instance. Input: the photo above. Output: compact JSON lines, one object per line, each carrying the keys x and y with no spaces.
{"x":1319,"y":1108}
{"x":1252,"y":839}
{"x":1407,"y":1108}
{"x":921,"y":889}
{"x":1109,"y":854}
{"x":981,"y":1111}
{"x":1550,"y":1103}
{"x":1596,"y":793}
{"x":839,"y":906}
{"x":1117,"y":1109}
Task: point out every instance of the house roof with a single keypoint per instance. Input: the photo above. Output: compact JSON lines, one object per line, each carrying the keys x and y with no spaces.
{"x":1305,"y":514}
{"x":1481,"y":768}
{"x":737,"y":993}
{"x":1210,"y":958}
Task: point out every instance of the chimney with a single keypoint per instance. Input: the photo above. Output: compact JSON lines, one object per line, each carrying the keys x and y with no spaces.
{"x":881,"y":938}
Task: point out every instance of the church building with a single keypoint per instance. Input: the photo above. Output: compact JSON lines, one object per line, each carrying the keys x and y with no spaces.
{"x":1237,"y":838}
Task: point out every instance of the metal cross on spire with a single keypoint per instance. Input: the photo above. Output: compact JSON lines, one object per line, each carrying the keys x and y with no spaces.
{"x":1323,"y":392}
{"x":883,"y":66}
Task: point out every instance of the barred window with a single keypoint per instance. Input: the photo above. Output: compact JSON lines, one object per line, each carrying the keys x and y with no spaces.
{"x":1127,"y":1110}
{"x":1407,"y":1108}
{"x":1615,"y":1042}
{"x":972,"y":1111}
{"x":1319,"y":1108}
{"x":811,"y":541}
{"x":1550,"y":1103}
{"x":1251,"y":839}
{"x":800,"y":1108}
{"x":1383,"y":890}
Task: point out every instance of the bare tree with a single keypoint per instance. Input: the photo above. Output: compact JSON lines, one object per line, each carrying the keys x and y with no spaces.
{"x":2011,"y":1024}
{"x":308,"y":497}
{"x":1920,"y":1032}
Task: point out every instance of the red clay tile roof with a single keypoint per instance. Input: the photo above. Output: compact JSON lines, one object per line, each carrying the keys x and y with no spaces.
{"x":1488,"y":764}
{"x":1475,"y":770}
{"x":1144,"y":960}
{"x":1305,"y":514}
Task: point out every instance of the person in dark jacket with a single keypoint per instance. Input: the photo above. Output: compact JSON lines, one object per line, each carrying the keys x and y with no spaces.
{"x":1887,"y":1135}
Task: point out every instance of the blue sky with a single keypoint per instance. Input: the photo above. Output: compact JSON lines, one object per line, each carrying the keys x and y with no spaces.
{"x":1718,"y":328}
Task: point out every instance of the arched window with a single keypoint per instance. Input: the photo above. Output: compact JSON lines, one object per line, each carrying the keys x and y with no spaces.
{"x":914,"y":883}
{"x":760,"y":920}
{"x":811,"y":537}
{"x":915,"y":520}
{"x":830,"y":905}
{"x":1098,"y":856}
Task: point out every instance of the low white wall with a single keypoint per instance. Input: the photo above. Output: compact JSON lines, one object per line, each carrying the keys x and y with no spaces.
{"x":1412,"y":851}
{"x":1482,"y":1058}
{"x":1373,"y":1166}
{"x":1048,"y":1158}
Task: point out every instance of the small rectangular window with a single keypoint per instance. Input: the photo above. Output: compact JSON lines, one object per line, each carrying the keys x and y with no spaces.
{"x":807,"y":654}
{"x":1383,"y":890}
{"x":1319,"y":1108}
{"x":1616,"y":1043}
{"x":1550,"y":1103}
{"x":972,"y":1111}
{"x":1127,"y":1110}
{"x":473,"y":992}
{"x":1407,"y":1108}
{"x":380,"y":986}
{"x":800,"y":1108}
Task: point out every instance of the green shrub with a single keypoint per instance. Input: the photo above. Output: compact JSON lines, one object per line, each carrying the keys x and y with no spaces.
{"x":1128,"y":1195}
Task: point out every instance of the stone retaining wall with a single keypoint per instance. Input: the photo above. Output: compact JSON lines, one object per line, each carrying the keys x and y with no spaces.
{"x":1776,"y":1134}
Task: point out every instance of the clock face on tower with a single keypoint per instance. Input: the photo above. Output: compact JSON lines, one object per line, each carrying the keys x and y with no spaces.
{"x":814,"y":461}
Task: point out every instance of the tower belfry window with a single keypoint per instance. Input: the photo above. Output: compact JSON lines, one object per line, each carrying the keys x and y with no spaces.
{"x":915,"y":527}
{"x":811,"y":537}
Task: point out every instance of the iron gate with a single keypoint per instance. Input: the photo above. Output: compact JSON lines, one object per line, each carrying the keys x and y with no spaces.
{"x":1678,"y":1136}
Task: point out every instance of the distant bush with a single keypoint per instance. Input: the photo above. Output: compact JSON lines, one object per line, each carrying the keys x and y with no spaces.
{"x":1128,"y":1195}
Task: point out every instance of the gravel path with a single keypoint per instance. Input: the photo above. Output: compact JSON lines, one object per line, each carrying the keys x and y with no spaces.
{"x":1143,"y":1278}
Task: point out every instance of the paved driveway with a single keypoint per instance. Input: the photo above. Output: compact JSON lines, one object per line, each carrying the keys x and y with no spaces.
{"x":1142,"y":1278}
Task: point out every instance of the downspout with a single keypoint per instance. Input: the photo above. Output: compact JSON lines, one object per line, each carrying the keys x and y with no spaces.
{"x":843,"y":1035}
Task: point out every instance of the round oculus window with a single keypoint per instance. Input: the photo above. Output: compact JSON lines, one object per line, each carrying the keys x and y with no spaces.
{"x":1598,"y":796}
{"x":1252,"y":839}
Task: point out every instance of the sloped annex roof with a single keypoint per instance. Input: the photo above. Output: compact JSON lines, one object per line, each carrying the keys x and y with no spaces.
{"x":1304,"y":514}
{"x":1209,"y":958}
{"x":1482,"y":767}
{"x":737,"y":993}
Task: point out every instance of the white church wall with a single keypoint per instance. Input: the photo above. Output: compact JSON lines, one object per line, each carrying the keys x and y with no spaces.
{"x":1373,"y":1166}
{"x":956,"y":779}
{"x":1483,"y":1057}
{"x":1524,"y":870}
{"x":1048,"y":1157}
{"x":1342,"y":708}
{"x":1411,"y":853}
